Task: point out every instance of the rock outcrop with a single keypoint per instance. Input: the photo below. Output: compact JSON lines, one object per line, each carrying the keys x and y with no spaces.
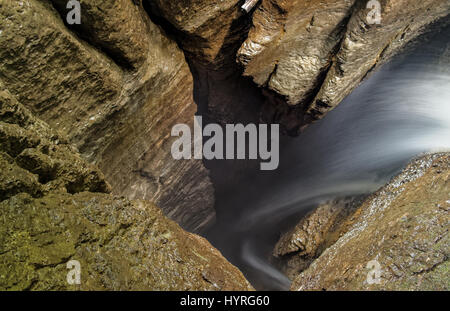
{"x":86,"y":112}
{"x":37,"y":160}
{"x":317,"y":231}
{"x":55,"y":208}
{"x":309,"y":55}
{"x":120,"y":245}
{"x":208,"y":31}
{"x":115,"y":85}
{"x":306,"y":56}
{"x":398,"y":238}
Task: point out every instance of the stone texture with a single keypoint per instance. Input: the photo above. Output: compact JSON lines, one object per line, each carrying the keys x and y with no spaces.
{"x":115,"y":85}
{"x":36,"y":159}
{"x":315,"y":232}
{"x":309,"y":55}
{"x":210,"y":33}
{"x":207,"y":30}
{"x":48,"y":219}
{"x":119,"y":28}
{"x":121,"y":245}
{"x":404,"y":227}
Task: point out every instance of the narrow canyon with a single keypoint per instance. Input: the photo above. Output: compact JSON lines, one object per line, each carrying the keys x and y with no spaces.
{"x":86,"y":145}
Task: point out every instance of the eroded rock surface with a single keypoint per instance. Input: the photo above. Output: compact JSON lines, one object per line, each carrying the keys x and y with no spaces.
{"x":318,"y":230}
{"x":54,"y":208}
{"x":309,"y":55}
{"x":207,"y":30}
{"x":398,"y":240}
{"x":35,"y":159}
{"x":115,"y":85}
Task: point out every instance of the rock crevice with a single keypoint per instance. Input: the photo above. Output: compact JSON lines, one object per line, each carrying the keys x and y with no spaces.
{"x":119,"y":244}
{"x":119,"y":116}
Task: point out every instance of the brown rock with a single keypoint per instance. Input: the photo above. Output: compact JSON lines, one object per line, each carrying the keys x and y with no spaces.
{"x":310,"y":55}
{"x":207,"y":30}
{"x":315,"y":232}
{"x":365,"y":47}
{"x":120,"y":119}
{"x":399,"y":241}
{"x":37,"y":159}
{"x":117,"y":27}
{"x":119,"y":244}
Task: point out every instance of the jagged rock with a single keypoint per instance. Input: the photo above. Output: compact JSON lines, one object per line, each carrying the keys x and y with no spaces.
{"x":210,"y":33}
{"x":207,"y":30}
{"x":309,"y":55}
{"x":403,"y":228}
{"x":115,"y":85}
{"x":36,"y":159}
{"x":318,"y":230}
{"x":120,"y":244}
{"x":117,"y":27}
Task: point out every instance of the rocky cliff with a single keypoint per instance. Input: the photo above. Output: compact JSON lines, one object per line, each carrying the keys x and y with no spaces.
{"x":115,"y":85}
{"x":306,"y":56}
{"x":397,"y":239}
{"x":309,"y":55}
{"x":86,"y":112}
{"x":207,"y":30}
{"x":318,"y":230}
{"x":55,"y":208}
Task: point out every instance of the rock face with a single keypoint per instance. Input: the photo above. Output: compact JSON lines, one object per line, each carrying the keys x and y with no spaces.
{"x":121,"y":245}
{"x":398,"y":239}
{"x":36,"y":160}
{"x":309,"y":55}
{"x":207,"y":30}
{"x":318,"y":230}
{"x":54,"y":208}
{"x":86,"y":110}
{"x":115,"y":85}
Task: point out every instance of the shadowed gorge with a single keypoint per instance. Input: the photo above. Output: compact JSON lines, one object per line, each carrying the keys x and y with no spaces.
{"x":91,"y":114}
{"x":400,"y":112}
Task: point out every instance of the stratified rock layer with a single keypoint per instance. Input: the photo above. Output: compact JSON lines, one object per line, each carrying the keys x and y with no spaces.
{"x":36,"y":160}
{"x":318,"y":230}
{"x":309,"y":55}
{"x":54,"y":208}
{"x":207,"y":30}
{"x":120,"y":245}
{"x":115,"y":85}
{"x":402,"y":230}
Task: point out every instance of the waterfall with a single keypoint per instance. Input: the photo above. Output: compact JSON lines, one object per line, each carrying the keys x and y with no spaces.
{"x":399,"y":112}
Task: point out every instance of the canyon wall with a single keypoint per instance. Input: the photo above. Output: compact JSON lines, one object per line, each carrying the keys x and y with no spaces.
{"x":396,"y":239}
{"x":55,"y":208}
{"x":206,"y":30}
{"x":88,"y":109}
{"x":115,"y":85}
{"x":309,"y":55}
{"x":306,"y":56}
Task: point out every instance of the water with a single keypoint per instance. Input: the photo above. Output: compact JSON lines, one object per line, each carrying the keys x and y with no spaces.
{"x":399,"y":112}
